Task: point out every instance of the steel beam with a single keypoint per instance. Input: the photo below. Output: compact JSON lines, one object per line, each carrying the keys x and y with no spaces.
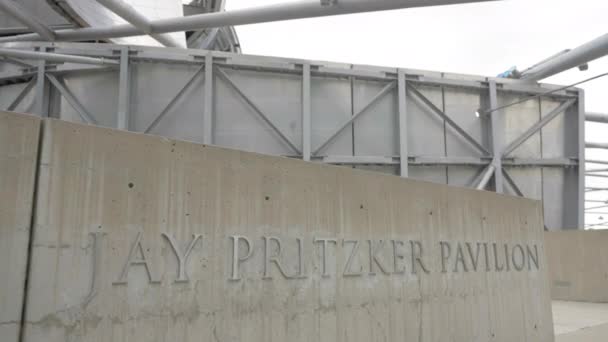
{"x":596,"y":145}
{"x":306,"y":113}
{"x":124,"y":91}
{"x":388,"y":88}
{"x":254,"y":15}
{"x":26,"y":90}
{"x":489,"y":171}
{"x":174,"y":100}
{"x":496,"y":138}
{"x":208,"y":101}
{"x":402,"y":107}
{"x":467,"y":137}
{"x":596,"y":117}
{"x":576,"y":57}
{"x":132,"y":16}
{"x":56,"y":57}
{"x":27,"y":19}
{"x":537,"y":126}
{"x":72,"y":100}
{"x":256,"y":109}
{"x":512,"y":183}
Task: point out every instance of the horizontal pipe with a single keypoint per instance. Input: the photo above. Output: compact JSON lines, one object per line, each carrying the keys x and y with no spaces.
{"x":596,"y":117}
{"x":55,"y":57}
{"x":254,"y":15}
{"x":14,"y":9}
{"x":133,"y":17}
{"x":596,"y":145}
{"x":593,"y":161}
{"x":585,"y":53}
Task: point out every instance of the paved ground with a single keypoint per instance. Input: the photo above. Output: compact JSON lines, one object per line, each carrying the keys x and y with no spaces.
{"x":580,"y":322}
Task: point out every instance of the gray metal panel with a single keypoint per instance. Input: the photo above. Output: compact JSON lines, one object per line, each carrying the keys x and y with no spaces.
{"x":331,"y":106}
{"x":461,"y":105}
{"x":429,"y":141}
{"x":159,"y":86}
{"x":277,"y":95}
{"x":40,"y":9}
{"x":376,"y":130}
{"x":516,"y":120}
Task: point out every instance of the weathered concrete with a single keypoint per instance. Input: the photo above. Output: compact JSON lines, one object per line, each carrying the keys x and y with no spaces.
{"x":578,"y":265}
{"x":19,"y":135}
{"x":580,"y":322}
{"x":363,"y":257}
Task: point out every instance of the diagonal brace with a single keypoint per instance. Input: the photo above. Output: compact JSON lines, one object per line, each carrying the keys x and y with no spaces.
{"x":67,"y":94}
{"x":449,"y":121}
{"x":388,"y":88}
{"x":22,"y":95}
{"x":256,"y":109}
{"x":174,"y":100}
{"x":532,"y":130}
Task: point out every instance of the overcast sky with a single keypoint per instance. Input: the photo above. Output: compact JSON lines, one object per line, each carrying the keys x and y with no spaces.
{"x":483,"y":39}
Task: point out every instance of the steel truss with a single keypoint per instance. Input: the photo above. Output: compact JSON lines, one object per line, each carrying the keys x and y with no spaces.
{"x":43,"y":77}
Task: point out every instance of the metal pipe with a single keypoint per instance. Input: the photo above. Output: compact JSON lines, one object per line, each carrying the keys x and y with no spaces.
{"x":261,"y":14}
{"x":56,"y":57}
{"x":576,"y":57}
{"x":596,"y":117}
{"x":597,"y":145}
{"x":596,"y":170}
{"x":27,"y":19}
{"x":132,"y":16}
{"x":592,"y":161}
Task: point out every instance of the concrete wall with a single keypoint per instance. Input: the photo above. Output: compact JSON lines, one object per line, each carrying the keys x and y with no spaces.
{"x":141,"y":238}
{"x":19,"y":135}
{"x":578,"y":265}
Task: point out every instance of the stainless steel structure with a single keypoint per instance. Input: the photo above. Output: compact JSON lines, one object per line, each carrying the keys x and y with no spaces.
{"x":261,"y":14}
{"x":411,"y":123}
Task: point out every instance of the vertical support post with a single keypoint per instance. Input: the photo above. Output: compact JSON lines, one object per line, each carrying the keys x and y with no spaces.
{"x":208,"y":99}
{"x":402,"y":98}
{"x":306,"y":112}
{"x":496,"y":138}
{"x":124,"y":91}
{"x":41,"y":103}
{"x":581,"y":159}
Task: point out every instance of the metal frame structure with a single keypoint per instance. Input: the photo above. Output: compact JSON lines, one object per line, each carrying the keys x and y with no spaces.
{"x":50,"y":86}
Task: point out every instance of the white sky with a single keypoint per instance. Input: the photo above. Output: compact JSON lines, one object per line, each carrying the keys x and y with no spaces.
{"x":483,"y":39}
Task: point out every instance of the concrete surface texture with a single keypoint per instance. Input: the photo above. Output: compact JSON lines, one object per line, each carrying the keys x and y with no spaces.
{"x":580,"y":322}
{"x":18,"y":158}
{"x":141,"y":238}
{"x":578,"y":265}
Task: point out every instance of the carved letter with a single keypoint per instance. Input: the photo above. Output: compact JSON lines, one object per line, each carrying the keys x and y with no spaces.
{"x":521,"y":265}
{"x":136,"y":247}
{"x":534,"y":257}
{"x":272,"y":259}
{"x":182,"y":258}
{"x":236,"y":258}
{"x":301,"y":269}
{"x":348,"y":272}
{"x":487,"y":255}
{"x":496,"y":267}
{"x":373,"y":257}
{"x":474,"y":259}
{"x":97,"y":259}
{"x":324,"y":243}
{"x":397,"y":257}
{"x":416,"y":248}
{"x":460,"y":259}
{"x":445,"y":255}
{"x":507,"y":259}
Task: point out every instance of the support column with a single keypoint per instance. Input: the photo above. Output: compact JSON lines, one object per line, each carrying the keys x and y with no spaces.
{"x":208,"y":101}
{"x":496,"y":138}
{"x":306,"y":113}
{"x":41,"y":102}
{"x":402,"y":98}
{"x":124,"y":91}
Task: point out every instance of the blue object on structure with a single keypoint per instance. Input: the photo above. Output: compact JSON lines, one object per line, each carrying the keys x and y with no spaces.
{"x":509,"y":73}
